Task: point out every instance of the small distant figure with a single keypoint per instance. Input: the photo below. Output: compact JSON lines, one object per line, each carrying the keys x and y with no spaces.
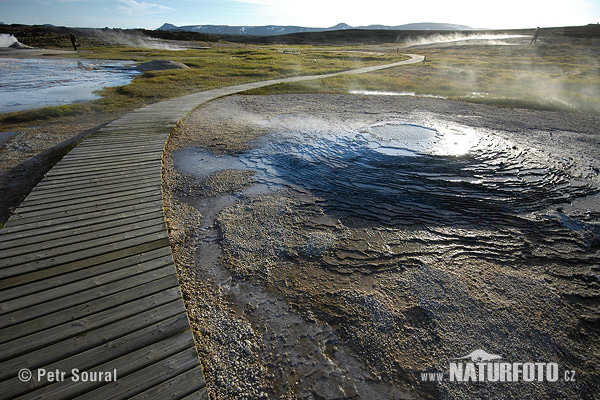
{"x":73,"y":40}
{"x":424,"y":59}
{"x":536,"y":33}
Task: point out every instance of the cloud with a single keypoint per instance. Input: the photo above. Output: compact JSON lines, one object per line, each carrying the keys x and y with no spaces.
{"x":141,"y":8}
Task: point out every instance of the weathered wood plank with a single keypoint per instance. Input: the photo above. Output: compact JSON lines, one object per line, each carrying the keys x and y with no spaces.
{"x":177,"y":387}
{"x":117,"y":255}
{"x":81,"y":237}
{"x":55,"y":328}
{"x":197,"y":395}
{"x":107,"y":204}
{"x":87,"y":201}
{"x":88,"y":187}
{"x":73,"y":299}
{"x":173,"y":347}
{"x":101,"y":169}
{"x":108,"y":159}
{"x":90,"y":194}
{"x":75,"y":228}
{"x":71,"y":221}
{"x":150,"y":376}
{"x":52,"y":286}
{"x":47,"y":257}
{"x":100,"y":345}
{"x":61,"y":187}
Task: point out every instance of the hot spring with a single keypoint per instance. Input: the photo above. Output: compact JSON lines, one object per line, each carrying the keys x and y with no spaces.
{"x":396,"y":174}
{"x":30,"y":83}
{"x":371,"y":234}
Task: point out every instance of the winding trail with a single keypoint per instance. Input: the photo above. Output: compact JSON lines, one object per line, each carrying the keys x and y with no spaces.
{"x":87,"y":279}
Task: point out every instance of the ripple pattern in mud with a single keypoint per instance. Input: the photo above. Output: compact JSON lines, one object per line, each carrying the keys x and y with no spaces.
{"x":366,"y":180}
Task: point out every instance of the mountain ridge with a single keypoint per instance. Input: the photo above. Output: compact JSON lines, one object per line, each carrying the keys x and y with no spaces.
{"x":274,"y":30}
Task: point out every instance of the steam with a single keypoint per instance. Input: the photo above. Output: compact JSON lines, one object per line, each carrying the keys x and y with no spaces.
{"x":458,"y":38}
{"x":380,"y":93}
{"x":533,"y":83}
{"x":7,"y":40}
{"x":134,"y":39}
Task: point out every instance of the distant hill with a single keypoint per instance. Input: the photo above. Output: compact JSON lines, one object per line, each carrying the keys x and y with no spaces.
{"x":273,"y":30}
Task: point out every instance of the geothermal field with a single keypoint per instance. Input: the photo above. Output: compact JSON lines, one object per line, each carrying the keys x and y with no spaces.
{"x":356,"y":237}
{"x":354,"y":242}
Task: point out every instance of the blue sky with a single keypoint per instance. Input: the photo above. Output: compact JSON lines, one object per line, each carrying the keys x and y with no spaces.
{"x":151,"y":14}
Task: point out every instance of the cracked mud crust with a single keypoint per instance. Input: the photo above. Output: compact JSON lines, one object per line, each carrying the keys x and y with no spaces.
{"x":296,"y":293}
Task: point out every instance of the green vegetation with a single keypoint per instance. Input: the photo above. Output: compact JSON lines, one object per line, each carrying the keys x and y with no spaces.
{"x":224,"y":66}
{"x":564,"y":75}
{"x":210,"y":68}
{"x":561,"y":74}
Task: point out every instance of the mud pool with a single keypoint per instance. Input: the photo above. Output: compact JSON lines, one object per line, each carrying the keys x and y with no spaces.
{"x":363,"y":245}
{"x":403,"y":174}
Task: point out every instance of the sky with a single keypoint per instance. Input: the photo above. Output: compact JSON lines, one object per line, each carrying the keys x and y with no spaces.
{"x":151,"y":14}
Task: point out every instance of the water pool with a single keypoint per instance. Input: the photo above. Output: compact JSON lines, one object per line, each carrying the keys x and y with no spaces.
{"x":28,"y":83}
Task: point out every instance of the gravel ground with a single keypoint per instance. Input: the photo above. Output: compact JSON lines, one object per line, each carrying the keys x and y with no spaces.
{"x":292,"y":294}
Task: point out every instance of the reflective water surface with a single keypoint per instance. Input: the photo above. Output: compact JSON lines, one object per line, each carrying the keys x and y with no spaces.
{"x":402,"y":174}
{"x":28,"y":83}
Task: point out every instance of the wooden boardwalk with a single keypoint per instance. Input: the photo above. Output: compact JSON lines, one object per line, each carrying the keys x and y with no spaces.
{"x":87,"y":279}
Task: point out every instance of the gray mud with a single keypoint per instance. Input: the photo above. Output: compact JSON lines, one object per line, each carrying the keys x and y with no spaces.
{"x":352,"y":243}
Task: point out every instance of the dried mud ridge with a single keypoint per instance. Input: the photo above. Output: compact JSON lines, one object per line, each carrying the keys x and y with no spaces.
{"x":345,"y":262}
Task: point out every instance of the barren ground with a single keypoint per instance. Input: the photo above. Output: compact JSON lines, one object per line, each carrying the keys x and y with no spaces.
{"x":315,"y":289}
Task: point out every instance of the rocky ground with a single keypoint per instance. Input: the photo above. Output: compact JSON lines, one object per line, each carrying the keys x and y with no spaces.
{"x":297,"y":293}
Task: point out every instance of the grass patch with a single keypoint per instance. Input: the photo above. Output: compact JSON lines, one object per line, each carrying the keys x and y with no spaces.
{"x":47,"y":113}
{"x":218,"y":66}
{"x":562,"y":76}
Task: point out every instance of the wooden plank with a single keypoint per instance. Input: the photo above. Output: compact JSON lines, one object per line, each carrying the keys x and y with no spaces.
{"x":75,"y":228}
{"x":61,"y":186}
{"x":80,"y":236}
{"x":94,"y":178}
{"x":100,"y":345}
{"x":127,"y":139}
{"x":72,"y":299}
{"x":71,"y":221}
{"x":90,"y":193}
{"x":87,"y":201}
{"x":102,"y":169}
{"x":177,"y":387}
{"x":97,"y":157}
{"x":107,"y":161}
{"x":109,"y":144}
{"x":107,"y":204}
{"x":101,"y":182}
{"x":51,"y":330}
{"x":150,"y":376}
{"x":170,"y":351}
{"x":198,"y":395}
{"x":104,"y":154}
{"x":117,"y":256}
{"x":40,"y":291}
{"x":47,"y":257}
